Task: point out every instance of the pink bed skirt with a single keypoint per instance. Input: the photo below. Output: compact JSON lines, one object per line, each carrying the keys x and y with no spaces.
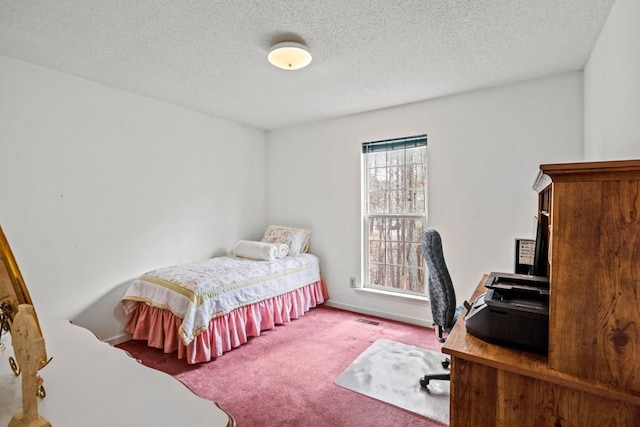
{"x":160,"y":327}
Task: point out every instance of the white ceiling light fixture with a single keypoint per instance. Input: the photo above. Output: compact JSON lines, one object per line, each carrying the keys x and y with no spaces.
{"x":289,"y":55}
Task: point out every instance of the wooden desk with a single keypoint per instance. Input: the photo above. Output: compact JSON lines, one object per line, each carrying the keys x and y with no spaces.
{"x":90,"y":383}
{"x":495,"y":385}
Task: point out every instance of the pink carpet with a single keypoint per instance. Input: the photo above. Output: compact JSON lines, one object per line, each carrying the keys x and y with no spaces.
{"x":286,"y":376}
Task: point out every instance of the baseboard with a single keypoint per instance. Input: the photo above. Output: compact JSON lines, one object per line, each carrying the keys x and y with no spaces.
{"x":382,"y":314}
{"x":117,"y":339}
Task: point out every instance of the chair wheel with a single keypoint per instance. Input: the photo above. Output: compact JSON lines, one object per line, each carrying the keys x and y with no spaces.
{"x":446,"y":363}
{"x":424,"y":382}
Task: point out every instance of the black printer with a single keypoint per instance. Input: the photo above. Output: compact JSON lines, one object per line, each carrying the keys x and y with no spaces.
{"x":514,"y":312}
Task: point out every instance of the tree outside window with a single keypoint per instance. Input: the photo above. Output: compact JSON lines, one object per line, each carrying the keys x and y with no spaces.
{"x":395,"y":212}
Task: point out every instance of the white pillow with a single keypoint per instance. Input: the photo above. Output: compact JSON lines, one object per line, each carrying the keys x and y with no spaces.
{"x":283,"y":250}
{"x":296,"y":238}
{"x":256,"y":250}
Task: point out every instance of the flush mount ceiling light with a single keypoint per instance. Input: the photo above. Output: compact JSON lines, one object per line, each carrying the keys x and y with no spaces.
{"x":289,"y":55}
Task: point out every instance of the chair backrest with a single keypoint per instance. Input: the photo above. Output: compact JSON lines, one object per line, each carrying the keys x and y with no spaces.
{"x":441,"y":291}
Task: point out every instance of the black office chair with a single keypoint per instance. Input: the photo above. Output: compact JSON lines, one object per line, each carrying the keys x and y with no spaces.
{"x":443,"y":296}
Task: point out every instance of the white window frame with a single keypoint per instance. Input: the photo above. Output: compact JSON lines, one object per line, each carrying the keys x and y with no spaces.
{"x":389,"y":145}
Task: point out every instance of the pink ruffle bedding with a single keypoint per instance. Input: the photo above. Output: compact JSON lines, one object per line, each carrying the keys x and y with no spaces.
{"x":160,"y":327}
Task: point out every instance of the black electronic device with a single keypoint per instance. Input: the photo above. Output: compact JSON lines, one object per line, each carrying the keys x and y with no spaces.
{"x":514,"y":312}
{"x":541,"y":255}
{"x":524,"y":256}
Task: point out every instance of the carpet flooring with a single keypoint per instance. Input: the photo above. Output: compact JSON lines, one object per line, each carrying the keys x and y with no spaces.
{"x":387,"y":371}
{"x":285,"y":377}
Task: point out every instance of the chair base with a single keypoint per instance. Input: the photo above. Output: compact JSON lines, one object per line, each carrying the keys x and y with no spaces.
{"x":424,"y":381}
{"x":445,"y":363}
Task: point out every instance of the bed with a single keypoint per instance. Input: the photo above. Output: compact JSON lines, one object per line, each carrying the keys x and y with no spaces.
{"x":205,"y":308}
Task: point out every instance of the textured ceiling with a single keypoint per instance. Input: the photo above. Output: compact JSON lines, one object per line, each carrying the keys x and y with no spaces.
{"x":210,"y":55}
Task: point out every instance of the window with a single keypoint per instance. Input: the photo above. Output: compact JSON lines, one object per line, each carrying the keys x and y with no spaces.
{"x":395,"y":214}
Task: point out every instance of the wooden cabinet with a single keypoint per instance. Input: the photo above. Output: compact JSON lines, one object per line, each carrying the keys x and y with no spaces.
{"x":590,"y":214}
{"x":594,"y":305}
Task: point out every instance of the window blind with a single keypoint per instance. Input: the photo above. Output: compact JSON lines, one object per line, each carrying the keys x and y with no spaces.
{"x":394,"y":144}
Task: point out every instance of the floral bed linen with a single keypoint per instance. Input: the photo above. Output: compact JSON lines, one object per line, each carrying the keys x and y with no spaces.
{"x":198,"y":292}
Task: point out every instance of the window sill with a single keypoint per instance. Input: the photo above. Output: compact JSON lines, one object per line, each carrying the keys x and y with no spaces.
{"x":415,"y":299}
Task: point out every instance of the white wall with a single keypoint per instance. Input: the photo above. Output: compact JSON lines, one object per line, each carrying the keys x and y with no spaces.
{"x":99,"y":185}
{"x":485,"y":148}
{"x":612,"y":87}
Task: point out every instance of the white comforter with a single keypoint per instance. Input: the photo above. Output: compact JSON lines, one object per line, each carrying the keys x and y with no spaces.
{"x":200,"y":291}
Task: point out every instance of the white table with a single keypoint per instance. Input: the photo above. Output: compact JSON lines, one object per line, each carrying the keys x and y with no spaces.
{"x":90,"y":383}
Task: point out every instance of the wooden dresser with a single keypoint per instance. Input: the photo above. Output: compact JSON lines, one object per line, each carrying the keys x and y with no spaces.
{"x":591,"y":376}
